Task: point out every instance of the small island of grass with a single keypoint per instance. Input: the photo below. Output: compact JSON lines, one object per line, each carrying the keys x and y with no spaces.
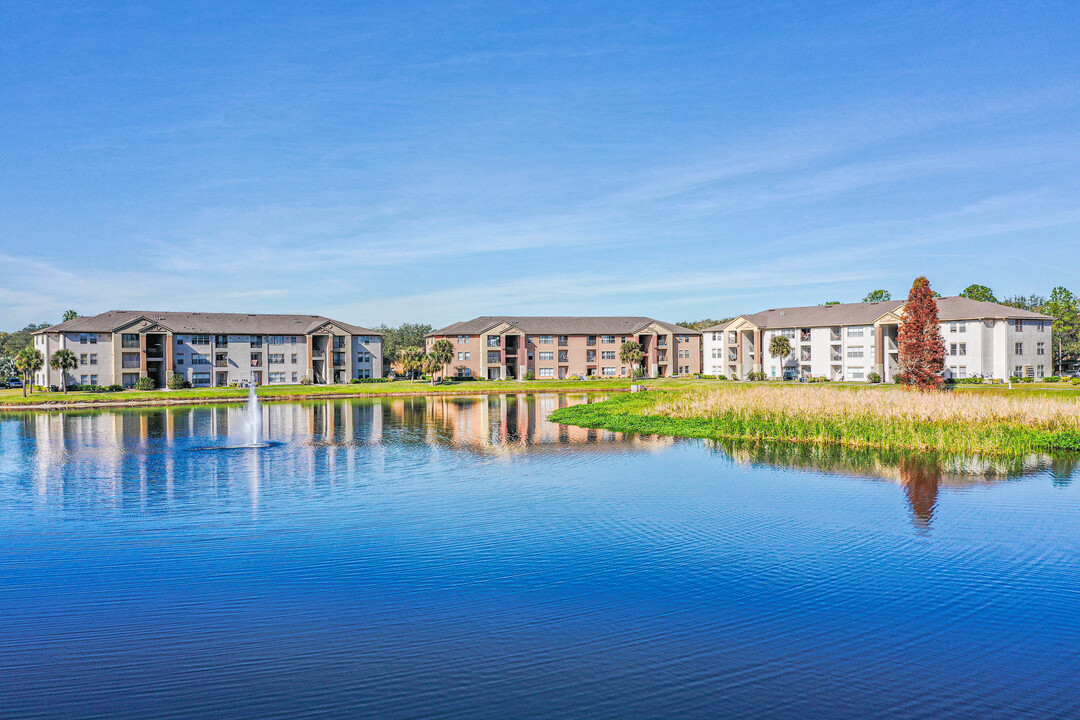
{"x":859,"y":418}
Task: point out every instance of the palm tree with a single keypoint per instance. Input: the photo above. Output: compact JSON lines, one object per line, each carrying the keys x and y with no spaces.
{"x":8,"y":368}
{"x":429,"y":365}
{"x":63,"y":360}
{"x":442,"y":353}
{"x":70,"y":315}
{"x":780,"y":347}
{"x":630,"y":354}
{"x":412,"y":360}
{"x":29,"y":361}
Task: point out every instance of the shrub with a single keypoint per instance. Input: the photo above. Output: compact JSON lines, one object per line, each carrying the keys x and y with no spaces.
{"x":177,"y":382}
{"x":721,"y":377}
{"x":964,"y":381}
{"x":699,"y":376}
{"x":818,"y":379}
{"x":305,"y":380}
{"x":144,"y":383}
{"x":874,"y":377}
{"x":530,"y":375}
{"x":95,"y":388}
{"x":367,"y":381}
{"x":1052,"y":378}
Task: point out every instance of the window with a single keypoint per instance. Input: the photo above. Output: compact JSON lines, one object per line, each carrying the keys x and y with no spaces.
{"x":295,"y":377}
{"x":197,"y":359}
{"x":292,"y":358}
{"x":494,"y":358}
{"x":1040,"y":348}
{"x":129,"y":360}
{"x":494,"y":341}
{"x":1019,"y":349}
{"x":275,"y":377}
{"x":1040,"y":326}
{"x":84,"y":379}
{"x":953,"y":328}
{"x":85,"y":338}
{"x":857,"y":374}
{"x":200,"y":379}
{"x":464,"y":372}
{"x":608,"y":371}
{"x":733,"y":337}
{"x":200,"y":339}
{"x":1030,"y":371}
{"x":276,"y":359}
{"x":548,"y":354}
{"x":963,"y":348}
{"x":339,"y":342}
{"x":129,"y":379}
{"x":292,"y":339}
{"x":460,"y":355}
{"x":221,"y":341}
{"x":93,"y":358}
{"x":562,"y":356}
{"x":855,"y":352}
{"x":1018,"y":325}
{"x":590,"y":356}
{"x":855,"y":331}
{"x":963,"y":371}
{"x":564,"y":340}
{"x":83,"y":359}
{"x":129,"y":340}
{"x":256,"y":359}
{"x":179,"y":359}
{"x":545,"y":372}
{"x":607,"y":355}
{"x":607,"y":340}
{"x":545,"y":339}
{"x":339,"y":359}
{"x":952,"y":349}
{"x":590,"y":339}
{"x":1018,"y":371}
{"x":1040,"y":371}
{"x":276,"y":340}
{"x":805,"y":353}
{"x":256,"y":341}
{"x":963,"y":329}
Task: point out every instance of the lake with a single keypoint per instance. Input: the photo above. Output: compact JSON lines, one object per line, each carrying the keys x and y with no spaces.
{"x":435,"y":557}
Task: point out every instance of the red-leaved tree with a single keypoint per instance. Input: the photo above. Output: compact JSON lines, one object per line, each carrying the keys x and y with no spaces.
{"x":922,"y":349}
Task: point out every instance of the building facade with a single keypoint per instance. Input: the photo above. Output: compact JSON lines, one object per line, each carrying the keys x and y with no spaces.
{"x":210,"y":349}
{"x":851,"y":341}
{"x":504,"y":348}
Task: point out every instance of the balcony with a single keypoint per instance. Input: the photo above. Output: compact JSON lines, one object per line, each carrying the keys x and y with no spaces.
{"x":834,"y":336}
{"x":221,"y":363}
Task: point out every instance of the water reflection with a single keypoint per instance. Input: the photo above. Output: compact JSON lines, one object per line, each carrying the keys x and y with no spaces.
{"x":922,"y":475}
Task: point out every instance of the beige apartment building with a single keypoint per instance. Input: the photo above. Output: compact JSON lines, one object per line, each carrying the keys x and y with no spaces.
{"x":505,"y":348}
{"x":210,"y":349}
{"x":853,"y":340}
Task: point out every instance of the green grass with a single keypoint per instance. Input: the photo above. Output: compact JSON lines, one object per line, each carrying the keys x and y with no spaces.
{"x":849,"y":426}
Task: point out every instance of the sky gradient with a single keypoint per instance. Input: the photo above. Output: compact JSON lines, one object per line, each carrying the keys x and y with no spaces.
{"x":430,"y":162}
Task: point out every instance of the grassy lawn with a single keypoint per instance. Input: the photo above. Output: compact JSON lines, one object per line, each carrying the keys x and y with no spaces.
{"x":12,"y":398}
{"x":987,"y":421}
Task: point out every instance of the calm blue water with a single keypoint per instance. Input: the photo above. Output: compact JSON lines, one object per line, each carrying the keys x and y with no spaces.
{"x":410,"y":558}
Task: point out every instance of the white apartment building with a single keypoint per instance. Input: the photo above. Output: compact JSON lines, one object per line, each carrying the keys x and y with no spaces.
{"x":851,"y":341}
{"x":210,"y":349}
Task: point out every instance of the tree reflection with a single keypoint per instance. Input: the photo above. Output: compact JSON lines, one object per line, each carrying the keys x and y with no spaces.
{"x":921,"y":477}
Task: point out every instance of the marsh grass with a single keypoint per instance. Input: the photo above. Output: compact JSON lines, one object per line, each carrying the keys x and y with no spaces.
{"x":952,"y":422}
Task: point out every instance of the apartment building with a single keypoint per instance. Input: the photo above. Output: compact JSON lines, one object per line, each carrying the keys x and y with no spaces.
{"x":503,"y":348}
{"x":851,"y":341}
{"x":210,"y":349}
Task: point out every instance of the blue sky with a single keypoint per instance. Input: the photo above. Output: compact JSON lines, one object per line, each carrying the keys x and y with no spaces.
{"x":399,"y":161}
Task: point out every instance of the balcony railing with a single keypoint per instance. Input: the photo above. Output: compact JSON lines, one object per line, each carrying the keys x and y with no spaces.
{"x":130,"y":364}
{"x":221,"y":363}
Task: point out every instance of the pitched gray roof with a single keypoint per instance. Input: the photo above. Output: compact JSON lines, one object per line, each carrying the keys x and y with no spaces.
{"x":553,"y":325}
{"x":220,"y":323}
{"x":949,"y":308}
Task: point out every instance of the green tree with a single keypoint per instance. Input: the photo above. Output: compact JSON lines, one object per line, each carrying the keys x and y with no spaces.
{"x":11,"y":343}
{"x":831,"y":302}
{"x":70,"y":315}
{"x":8,"y":368}
{"x":630,"y":354}
{"x":396,"y":339}
{"x":877,"y":296}
{"x":1064,"y":307}
{"x":63,"y":360}
{"x":780,"y":347}
{"x":1021,"y":302}
{"x":921,"y":347}
{"x":29,"y":361}
{"x":442,"y":353}
{"x":980,"y":293}
{"x":702,"y":324}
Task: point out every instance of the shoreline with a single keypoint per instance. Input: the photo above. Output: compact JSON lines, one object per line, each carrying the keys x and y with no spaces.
{"x":291,"y":397}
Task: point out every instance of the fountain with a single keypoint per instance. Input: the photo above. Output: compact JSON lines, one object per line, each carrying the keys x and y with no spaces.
{"x":254,"y":417}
